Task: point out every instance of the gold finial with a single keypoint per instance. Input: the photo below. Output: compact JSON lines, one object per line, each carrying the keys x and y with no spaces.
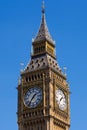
{"x":43,"y":7}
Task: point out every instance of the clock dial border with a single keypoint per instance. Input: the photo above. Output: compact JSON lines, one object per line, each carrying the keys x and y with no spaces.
{"x":30,"y":90}
{"x":66,"y":98}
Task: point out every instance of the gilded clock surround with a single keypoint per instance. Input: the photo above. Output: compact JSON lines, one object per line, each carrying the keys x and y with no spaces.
{"x":44,"y":72}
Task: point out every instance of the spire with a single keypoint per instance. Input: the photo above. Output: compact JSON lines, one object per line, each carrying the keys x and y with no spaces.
{"x":43,"y":33}
{"x":43,"y":7}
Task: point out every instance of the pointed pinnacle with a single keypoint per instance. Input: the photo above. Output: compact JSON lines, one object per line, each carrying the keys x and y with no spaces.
{"x":43,"y":7}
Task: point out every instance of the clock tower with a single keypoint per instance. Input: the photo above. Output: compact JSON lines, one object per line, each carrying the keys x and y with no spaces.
{"x":43,"y":91}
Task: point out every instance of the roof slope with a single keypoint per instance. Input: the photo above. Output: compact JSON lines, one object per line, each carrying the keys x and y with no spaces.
{"x":43,"y":33}
{"x":42,"y":63}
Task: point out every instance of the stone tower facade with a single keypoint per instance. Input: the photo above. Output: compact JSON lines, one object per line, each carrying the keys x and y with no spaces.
{"x":43,"y":92}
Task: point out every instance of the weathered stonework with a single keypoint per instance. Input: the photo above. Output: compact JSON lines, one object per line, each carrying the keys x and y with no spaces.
{"x":43,"y":72}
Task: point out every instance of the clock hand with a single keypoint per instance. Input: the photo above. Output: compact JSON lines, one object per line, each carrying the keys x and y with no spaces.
{"x":32,"y":98}
{"x":36,"y":94}
{"x":61,"y":99}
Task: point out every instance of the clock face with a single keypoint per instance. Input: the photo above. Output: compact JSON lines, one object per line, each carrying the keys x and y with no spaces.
{"x":60,"y":99}
{"x":33,"y":97}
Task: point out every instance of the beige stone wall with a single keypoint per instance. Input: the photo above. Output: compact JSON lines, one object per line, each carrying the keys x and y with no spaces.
{"x":58,"y":128}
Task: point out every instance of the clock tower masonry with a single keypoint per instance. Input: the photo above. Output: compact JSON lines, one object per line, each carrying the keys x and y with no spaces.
{"x":43,"y":92}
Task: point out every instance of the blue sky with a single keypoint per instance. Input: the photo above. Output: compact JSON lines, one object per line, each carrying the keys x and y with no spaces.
{"x":67,"y":23}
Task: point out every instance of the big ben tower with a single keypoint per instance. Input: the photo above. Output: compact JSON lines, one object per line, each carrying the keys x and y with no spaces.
{"x":43,"y":92}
